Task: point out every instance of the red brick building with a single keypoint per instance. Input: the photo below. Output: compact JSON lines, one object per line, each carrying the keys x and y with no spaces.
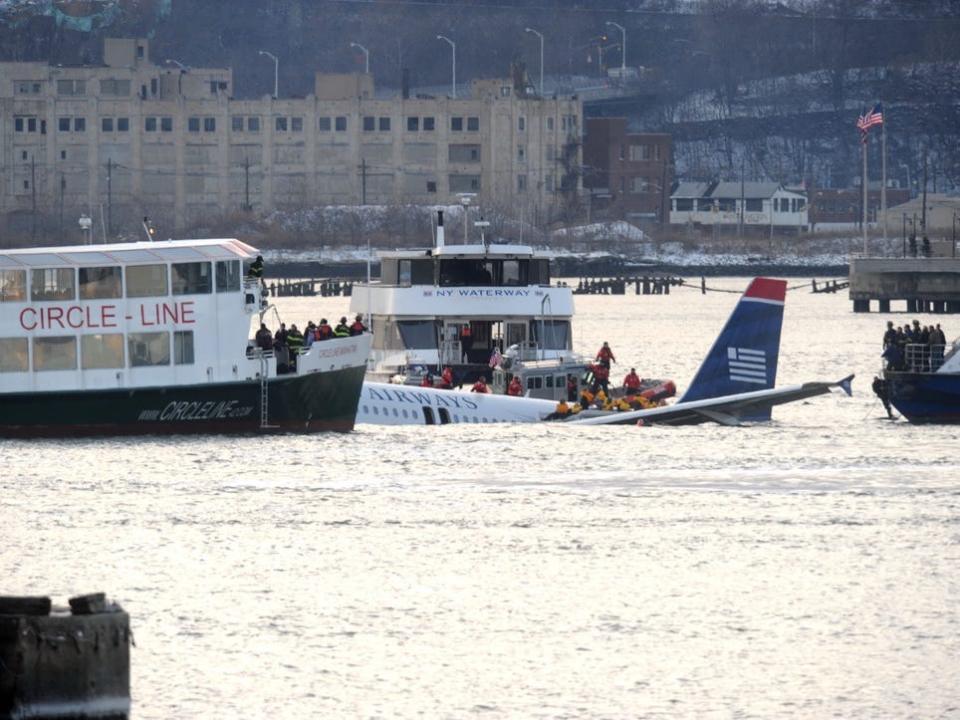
{"x":844,"y":206}
{"x":627,"y":175}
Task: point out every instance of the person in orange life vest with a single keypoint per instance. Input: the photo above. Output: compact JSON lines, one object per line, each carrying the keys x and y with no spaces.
{"x":357,"y":327}
{"x":515,"y":388}
{"x":605,"y":355}
{"x":601,"y":374}
{"x":446,"y":378}
{"x":466,"y":341}
{"x":324,"y":331}
{"x":631,"y":383}
{"x":427,"y":381}
{"x":480,"y":386}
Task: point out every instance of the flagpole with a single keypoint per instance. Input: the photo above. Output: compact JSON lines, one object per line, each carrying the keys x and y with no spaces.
{"x":864,"y":182}
{"x":883,"y":174}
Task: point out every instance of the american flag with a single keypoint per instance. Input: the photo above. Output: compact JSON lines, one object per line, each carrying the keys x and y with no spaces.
{"x":868,"y":119}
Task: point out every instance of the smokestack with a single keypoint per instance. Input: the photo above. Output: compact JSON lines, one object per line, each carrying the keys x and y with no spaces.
{"x":439,"y":229}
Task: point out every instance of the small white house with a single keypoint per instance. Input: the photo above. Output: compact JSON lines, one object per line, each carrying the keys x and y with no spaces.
{"x":764,"y":204}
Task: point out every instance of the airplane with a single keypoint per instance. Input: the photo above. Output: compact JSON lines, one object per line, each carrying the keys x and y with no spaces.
{"x":735,"y":383}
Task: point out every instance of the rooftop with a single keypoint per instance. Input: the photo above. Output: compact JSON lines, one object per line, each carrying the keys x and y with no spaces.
{"x":129,"y":253}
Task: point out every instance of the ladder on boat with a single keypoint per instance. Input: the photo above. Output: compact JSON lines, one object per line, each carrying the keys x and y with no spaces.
{"x":265,"y":391}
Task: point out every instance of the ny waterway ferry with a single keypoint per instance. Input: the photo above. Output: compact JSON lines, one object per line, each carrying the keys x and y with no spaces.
{"x":155,"y":337}
{"x":925,"y":386}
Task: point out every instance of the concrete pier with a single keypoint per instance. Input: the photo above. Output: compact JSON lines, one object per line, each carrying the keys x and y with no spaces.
{"x":925,"y":285}
{"x":64,"y":663}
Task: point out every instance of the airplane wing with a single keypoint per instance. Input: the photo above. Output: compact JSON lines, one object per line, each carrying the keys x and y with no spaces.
{"x":726,"y":410}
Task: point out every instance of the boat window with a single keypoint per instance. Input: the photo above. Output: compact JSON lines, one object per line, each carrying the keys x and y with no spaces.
{"x":13,"y":285}
{"x":14,"y":355}
{"x":101,"y":282}
{"x":404,"y":273}
{"x":191,"y":278}
{"x":549,"y":381}
{"x":540,"y":272}
{"x":534,"y":382}
{"x":418,"y":334}
{"x":228,"y":275}
{"x":101,"y":351}
{"x":53,"y":284}
{"x":146,"y":280}
{"x":551,"y":334}
{"x":421,"y":272}
{"x":515,"y":272}
{"x":146,"y":349}
{"x":183,"y":347}
{"x":55,"y":353}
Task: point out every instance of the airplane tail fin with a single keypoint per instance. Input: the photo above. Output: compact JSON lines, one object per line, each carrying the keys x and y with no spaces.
{"x":744,"y":356}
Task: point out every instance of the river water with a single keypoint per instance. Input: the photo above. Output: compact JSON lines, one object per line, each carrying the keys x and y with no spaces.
{"x":805,"y":568}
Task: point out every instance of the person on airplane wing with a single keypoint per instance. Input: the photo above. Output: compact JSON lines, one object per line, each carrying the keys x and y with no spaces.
{"x":446,"y":379}
{"x":515,"y":388}
{"x":631,"y":383}
{"x":480,"y":386}
{"x":605,"y":355}
{"x":427,"y":381}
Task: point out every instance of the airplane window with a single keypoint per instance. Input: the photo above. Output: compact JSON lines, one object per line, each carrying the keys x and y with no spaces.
{"x":376,"y":410}
{"x":404,"y":412}
{"x":456,"y":418}
{"x":366,"y":409}
{"x":395,"y":413}
{"x":485,"y":420}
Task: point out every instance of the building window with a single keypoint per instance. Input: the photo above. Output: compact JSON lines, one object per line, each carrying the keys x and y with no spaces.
{"x":140,"y":51}
{"x":456,"y":124}
{"x":505,"y":91}
{"x":341,"y":123}
{"x":183,"y":347}
{"x":71,"y":87}
{"x":551,"y":151}
{"x":18,"y":124}
{"x":166,"y":124}
{"x":521,"y":183}
{"x":464,"y":183}
{"x":150,"y":124}
{"x":153,"y":86}
{"x":413,"y":124}
{"x":31,"y":124}
{"x":114,"y":87}
{"x":106,"y":124}
{"x":79,"y":124}
{"x":431,"y":186}
{"x":100,"y":352}
{"x":753,"y":205}
{"x":236,"y":123}
{"x":148,"y":349}
{"x":384,"y":124}
{"x":63,"y":154}
{"x":123,"y":124}
{"x":27,"y":87}
{"x":63,"y":124}
{"x":369,"y":123}
{"x":209,"y":124}
{"x":193,"y":124}
{"x":429,"y":124}
{"x":473,"y":124}
{"x":521,"y":153}
{"x":638,"y":185}
{"x":548,"y":183}
{"x":550,"y":124}
{"x":213,"y":87}
{"x":639,"y":152}
{"x":55,"y":353}
{"x":253,"y":124}
{"x":280,"y":124}
{"x":521,"y":123}
{"x":324,"y":124}
{"x":296,"y":124}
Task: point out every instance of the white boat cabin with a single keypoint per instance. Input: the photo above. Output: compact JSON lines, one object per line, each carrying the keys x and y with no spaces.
{"x":126,"y":315}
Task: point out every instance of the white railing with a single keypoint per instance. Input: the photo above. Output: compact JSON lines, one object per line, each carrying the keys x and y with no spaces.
{"x":921,"y":357}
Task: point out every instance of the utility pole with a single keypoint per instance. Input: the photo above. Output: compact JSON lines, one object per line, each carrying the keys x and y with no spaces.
{"x":110,"y":197}
{"x":363,"y":181}
{"x":923,"y":210}
{"x":33,"y":198}
{"x":743,"y":162}
{"x":246,"y":183}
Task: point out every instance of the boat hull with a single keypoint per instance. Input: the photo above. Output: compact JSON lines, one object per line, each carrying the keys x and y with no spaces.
{"x":925,"y":397}
{"x":313,"y":402}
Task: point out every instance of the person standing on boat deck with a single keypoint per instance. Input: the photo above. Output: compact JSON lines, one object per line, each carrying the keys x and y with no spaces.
{"x":280,"y":337}
{"x":324,"y":331}
{"x":446,"y":379}
{"x":480,"y":386}
{"x":342,"y":330}
{"x":466,"y":341}
{"x":294,"y":339}
{"x":515,"y":388}
{"x":571,"y":389}
{"x":357,"y":327}
{"x":256,"y":268}
{"x":310,"y":334}
{"x":605,"y":355}
{"x":601,"y":375}
{"x":631,"y":383}
{"x":264,"y":338}
{"x":890,"y":336}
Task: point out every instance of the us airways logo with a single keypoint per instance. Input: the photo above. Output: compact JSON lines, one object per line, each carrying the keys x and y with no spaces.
{"x":749,"y":366}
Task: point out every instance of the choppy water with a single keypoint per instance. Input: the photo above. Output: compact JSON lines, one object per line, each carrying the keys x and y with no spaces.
{"x":803,"y":569}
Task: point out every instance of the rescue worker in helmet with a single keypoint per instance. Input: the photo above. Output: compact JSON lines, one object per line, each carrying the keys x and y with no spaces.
{"x":480,"y":386}
{"x":357,"y":327}
{"x":515,"y":388}
{"x":342,"y":330}
{"x":631,"y":383}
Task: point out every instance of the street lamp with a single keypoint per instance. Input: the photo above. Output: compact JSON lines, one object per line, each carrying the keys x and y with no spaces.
{"x":623,"y":47}
{"x":86,"y":224}
{"x":453,"y":47}
{"x":366,"y":56}
{"x":539,"y":35}
{"x":276,"y":71}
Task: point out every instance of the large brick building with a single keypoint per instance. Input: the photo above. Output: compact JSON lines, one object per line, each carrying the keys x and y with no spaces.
{"x":171,"y":142}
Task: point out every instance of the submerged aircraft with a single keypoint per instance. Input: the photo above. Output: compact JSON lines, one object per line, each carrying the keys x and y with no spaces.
{"x":735,"y":383}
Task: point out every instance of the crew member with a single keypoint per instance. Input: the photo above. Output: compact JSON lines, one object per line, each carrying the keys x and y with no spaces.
{"x":264,"y":338}
{"x":294,"y":339}
{"x":601,"y":374}
{"x":280,"y":336}
{"x":515,"y":388}
{"x":324,"y":331}
{"x":357,"y":327}
{"x":427,"y":381}
{"x":605,"y":355}
{"x":631,"y":383}
{"x":342,"y":330}
{"x":890,"y":336}
{"x":881,"y":390}
{"x":480,"y":386}
{"x":466,"y":341}
{"x":446,"y":378}
{"x":571,"y":389}
{"x":560,"y":412}
{"x":256,"y":268}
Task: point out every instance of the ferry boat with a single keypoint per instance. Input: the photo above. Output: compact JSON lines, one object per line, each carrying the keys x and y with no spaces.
{"x":925,"y":387}
{"x":154,"y":337}
{"x":458,"y":306}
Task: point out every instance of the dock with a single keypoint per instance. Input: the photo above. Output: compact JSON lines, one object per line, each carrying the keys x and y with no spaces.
{"x":642,"y":285}
{"x":924,"y":285}
{"x":69,"y":662}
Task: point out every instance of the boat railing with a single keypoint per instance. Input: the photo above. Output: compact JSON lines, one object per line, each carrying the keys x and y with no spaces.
{"x":922,"y":358}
